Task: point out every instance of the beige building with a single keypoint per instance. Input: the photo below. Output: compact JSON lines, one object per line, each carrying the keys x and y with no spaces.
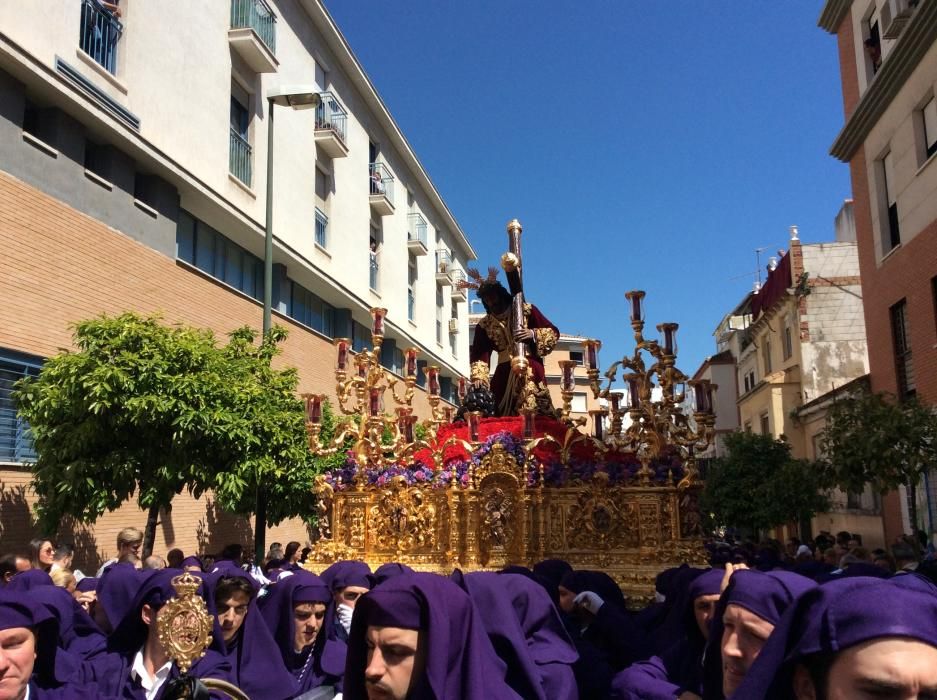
{"x":133,"y":158}
{"x":805,"y":341}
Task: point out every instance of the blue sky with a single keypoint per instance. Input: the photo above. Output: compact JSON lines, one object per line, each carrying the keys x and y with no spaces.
{"x":642,"y":145}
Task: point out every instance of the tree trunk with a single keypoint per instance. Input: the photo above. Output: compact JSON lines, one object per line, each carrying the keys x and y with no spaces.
{"x":912,"y":506}
{"x":149,"y":533}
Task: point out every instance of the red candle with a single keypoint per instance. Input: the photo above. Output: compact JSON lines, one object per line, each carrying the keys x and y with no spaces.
{"x":411,"y":361}
{"x":592,"y":359}
{"x":374,"y":403}
{"x":569,"y":378}
{"x":432,"y":380}
{"x":670,"y":337}
{"x":447,"y":413}
{"x":362,"y":363}
{"x":463,"y":388}
{"x":473,"y":417}
{"x":615,"y":399}
{"x":402,"y":420}
{"x":597,"y":418}
{"x":314,"y":408}
{"x":377,"y":327}
{"x":635,"y":297}
{"x":341,"y":361}
{"x":408,"y":432}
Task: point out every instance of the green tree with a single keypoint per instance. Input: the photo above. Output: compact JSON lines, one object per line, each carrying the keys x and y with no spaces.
{"x":872,"y":439}
{"x":758,"y":484}
{"x":142,"y":408}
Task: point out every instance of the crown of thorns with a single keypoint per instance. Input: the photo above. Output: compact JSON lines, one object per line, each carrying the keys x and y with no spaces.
{"x":476,"y":281}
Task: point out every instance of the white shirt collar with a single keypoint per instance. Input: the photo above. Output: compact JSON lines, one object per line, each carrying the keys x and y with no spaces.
{"x":150,"y":685}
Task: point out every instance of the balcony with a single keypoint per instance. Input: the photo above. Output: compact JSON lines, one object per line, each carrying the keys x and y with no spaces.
{"x":331,"y":125}
{"x":381,"y":188}
{"x":239,"y":158}
{"x":253,"y":34}
{"x":416,"y":234}
{"x":455,"y":277}
{"x":443,"y":267}
{"x":99,"y":34}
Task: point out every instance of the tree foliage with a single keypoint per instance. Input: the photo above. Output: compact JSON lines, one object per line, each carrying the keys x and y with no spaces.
{"x":142,"y":408}
{"x":758,"y":484}
{"x":872,"y":439}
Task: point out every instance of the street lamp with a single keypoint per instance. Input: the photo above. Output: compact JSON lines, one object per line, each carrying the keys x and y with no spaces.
{"x":297,"y":97}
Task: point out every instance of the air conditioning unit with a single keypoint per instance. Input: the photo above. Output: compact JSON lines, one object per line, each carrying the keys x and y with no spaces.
{"x":895,"y":15}
{"x":453,"y":325}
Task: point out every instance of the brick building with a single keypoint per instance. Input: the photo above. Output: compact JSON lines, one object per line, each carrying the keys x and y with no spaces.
{"x":132,"y":152}
{"x":888,"y":66}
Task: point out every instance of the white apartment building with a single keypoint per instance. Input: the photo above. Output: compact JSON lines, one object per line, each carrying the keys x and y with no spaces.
{"x":172,"y":95}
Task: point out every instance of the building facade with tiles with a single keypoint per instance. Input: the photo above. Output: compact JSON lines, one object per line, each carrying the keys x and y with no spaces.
{"x":133,"y":153}
{"x":888,"y":67}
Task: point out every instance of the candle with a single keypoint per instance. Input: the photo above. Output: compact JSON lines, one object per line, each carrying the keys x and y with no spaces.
{"x":361,"y":362}
{"x":314,"y":408}
{"x":447,"y":413}
{"x":568,"y":381}
{"x":635,"y":297}
{"x":402,"y":420}
{"x":408,"y":433}
{"x":463,"y":388}
{"x":374,"y":402}
{"x":592,"y":353}
{"x":670,"y":337}
{"x":529,"y":424}
{"x":377,"y":325}
{"x":597,"y":426}
{"x":679,"y":391}
{"x":473,"y":421}
{"x":615,"y":398}
{"x":432,"y":380}
{"x":341,"y":361}
{"x":411,"y":354}
{"x":634,"y":393}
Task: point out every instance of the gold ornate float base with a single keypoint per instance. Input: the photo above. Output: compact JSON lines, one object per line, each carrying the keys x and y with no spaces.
{"x":498,"y":519}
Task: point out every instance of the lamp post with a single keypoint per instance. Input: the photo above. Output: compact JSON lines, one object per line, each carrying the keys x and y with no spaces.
{"x":297,"y":97}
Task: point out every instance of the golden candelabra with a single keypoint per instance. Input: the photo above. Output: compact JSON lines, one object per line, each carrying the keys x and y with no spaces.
{"x":361,"y":383}
{"x":656,"y":423}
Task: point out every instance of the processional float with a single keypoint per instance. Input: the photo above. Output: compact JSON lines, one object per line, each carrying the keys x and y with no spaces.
{"x":490,"y":492}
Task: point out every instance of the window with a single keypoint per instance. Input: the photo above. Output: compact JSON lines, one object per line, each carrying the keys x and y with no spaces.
{"x":439,"y":305}
{"x":360,"y":336}
{"x":239,"y":155}
{"x":398,"y":361}
{"x":100,"y":31}
{"x":199,"y":244}
{"x":765,"y":424}
{"x":411,"y":287}
{"x":929,"y":120}
{"x":374,"y":261}
{"x":766,"y":355}
{"x":454,"y":337}
{"x":322,"y":229}
{"x":576,"y":356}
{"x":748,"y":386}
{"x":95,"y":159}
{"x":748,"y":426}
{"x":892,"y":236}
{"x":933,"y":284}
{"x":873,"y":43}
{"x":901,"y":337}
{"x":310,"y":310}
{"x":31,"y":119}
{"x":578,"y":404}
{"x":16,"y":443}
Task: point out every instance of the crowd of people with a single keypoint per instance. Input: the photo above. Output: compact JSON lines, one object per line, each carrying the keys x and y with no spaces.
{"x":812,"y":620}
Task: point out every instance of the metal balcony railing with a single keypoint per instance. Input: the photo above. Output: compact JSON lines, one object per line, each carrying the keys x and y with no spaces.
{"x":457,"y":276}
{"x":331,"y":115}
{"x":374,"y":269}
{"x":443,"y":261}
{"x":100,"y":32}
{"x":239,"y":158}
{"x":256,"y":15}
{"x":322,"y":229}
{"x":416,"y":230}
{"x":381,"y":181}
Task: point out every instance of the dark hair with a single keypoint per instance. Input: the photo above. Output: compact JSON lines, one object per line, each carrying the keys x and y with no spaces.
{"x":495,"y":288}
{"x":64,"y":550}
{"x":291,"y":549}
{"x":229,"y":585}
{"x":8,"y":564}
{"x":35,"y":546}
{"x":232,"y":551}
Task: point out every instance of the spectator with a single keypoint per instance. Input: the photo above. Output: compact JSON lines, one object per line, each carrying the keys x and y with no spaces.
{"x":174,"y":558}
{"x":12,"y":564}
{"x":63,"y":578}
{"x":41,"y":554}
{"x":62,"y":558}
{"x":129,"y":541}
{"x":905,"y":557}
{"x":154,"y":561}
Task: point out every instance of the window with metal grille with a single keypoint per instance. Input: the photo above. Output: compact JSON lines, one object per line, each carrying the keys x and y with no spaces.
{"x":16,"y":444}
{"x":322,"y":229}
{"x":100,"y":32}
{"x":901,"y":337}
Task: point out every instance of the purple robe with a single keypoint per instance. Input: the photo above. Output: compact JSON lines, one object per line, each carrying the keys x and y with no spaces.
{"x":460,"y":661}
{"x":526,"y":631}
{"x":29,"y":579}
{"x":386,"y":571}
{"x":253,"y":653}
{"x":679,"y":668}
{"x":88,"y":583}
{"x":116,"y":589}
{"x":77,"y":632}
{"x":322,"y":662}
{"x":767,"y":595}
{"x":833,"y":617}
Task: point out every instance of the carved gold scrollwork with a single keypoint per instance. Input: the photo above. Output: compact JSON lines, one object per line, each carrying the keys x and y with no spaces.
{"x":404,"y":518}
{"x":183,"y":624}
